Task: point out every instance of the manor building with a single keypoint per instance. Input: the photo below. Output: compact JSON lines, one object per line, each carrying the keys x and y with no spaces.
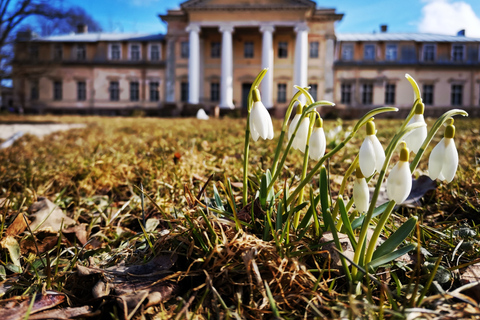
{"x":213,"y":49}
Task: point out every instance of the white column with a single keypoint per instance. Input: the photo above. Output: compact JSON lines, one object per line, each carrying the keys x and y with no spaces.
{"x":301,"y":56}
{"x":267,"y":62}
{"x":226,"y":76}
{"x":194,"y":64}
{"x":329,"y":57}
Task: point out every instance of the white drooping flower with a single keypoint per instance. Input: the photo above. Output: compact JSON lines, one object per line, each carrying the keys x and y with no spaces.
{"x":361,"y":194}
{"x":399,"y":182}
{"x":416,"y":137}
{"x":443,"y":161}
{"x":260,"y":120}
{"x":300,"y":140}
{"x":318,"y":142}
{"x":371,"y":156}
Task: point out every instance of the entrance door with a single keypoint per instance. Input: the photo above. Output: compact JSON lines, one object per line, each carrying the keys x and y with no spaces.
{"x":245,"y":90}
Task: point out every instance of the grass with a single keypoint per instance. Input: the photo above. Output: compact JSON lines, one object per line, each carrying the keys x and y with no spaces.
{"x":92,"y":173}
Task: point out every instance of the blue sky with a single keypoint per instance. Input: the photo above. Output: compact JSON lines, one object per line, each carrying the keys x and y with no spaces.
{"x":435,"y":16}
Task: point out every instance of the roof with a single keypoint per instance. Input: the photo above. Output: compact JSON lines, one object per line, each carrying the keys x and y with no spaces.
{"x":417,"y":37}
{"x":101,"y":36}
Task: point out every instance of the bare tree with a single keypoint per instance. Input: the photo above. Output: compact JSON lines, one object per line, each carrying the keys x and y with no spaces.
{"x":72,"y":18}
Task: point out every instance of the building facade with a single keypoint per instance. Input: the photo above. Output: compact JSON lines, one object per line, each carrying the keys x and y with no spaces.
{"x":213,"y":49}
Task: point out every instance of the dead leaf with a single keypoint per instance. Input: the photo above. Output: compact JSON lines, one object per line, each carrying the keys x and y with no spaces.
{"x":469,"y":275}
{"x":78,"y":231}
{"x":66,"y":313}
{"x":17,"y":226}
{"x":420,"y":187}
{"x":43,"y":244}
{"x":13,"y":248}
{"x":48,"y":216}
{"x":16,"y":308}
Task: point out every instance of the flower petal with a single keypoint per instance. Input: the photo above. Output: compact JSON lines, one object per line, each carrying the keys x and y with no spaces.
{"x":416,"y":137}
{"x":435,"y":161}
{"x":302,"y":134}
{"x":317,"y":144}
{"x":379,"y":152}
{"x":292,"y":126}
{"x":450,"y":160}
{"x":399,"y":182}
{"x":366,"y":158}
{"x":361,"y":195}
{"x":258,"y":117}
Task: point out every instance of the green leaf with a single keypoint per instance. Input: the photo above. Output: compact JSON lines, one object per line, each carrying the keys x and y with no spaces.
{"x":324,"y":194}
{"x":218,"y":200}
{"x":346,"y":222}
{"x":330,"y":224}
{"x":391,"y":256}
{"x":396,"y":238}
{"x":357,"y":223}
{"x":265,"y":195}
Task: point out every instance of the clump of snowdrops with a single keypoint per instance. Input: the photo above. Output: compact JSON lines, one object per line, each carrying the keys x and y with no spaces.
{"x":290,"y":215}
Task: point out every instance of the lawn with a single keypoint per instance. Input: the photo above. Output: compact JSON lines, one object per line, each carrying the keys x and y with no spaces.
{"x":211,"y":257}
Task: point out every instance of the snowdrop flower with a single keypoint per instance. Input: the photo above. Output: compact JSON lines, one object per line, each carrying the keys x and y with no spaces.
{"x":371,"y":155}
{"x":399,"y":182}
{"x":317,"y":141}
{"x":300,"y":140}
{"x":443,"y":161}
{"x":361,"y":195}
{"x":260,"y":120}
{"x":416,"y":137}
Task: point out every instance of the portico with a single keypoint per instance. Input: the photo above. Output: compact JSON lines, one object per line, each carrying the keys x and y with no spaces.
{"x":230,"y":43}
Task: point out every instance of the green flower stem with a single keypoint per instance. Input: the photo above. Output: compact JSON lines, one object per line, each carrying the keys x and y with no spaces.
{"x":284,"y":130}
{"x":305,"y":167}
{"x":317,"y":167}
{"x":388,"y":156}
{"x":376,"y":232}
{"x":255,"y":84}
{"x":305,"y":112}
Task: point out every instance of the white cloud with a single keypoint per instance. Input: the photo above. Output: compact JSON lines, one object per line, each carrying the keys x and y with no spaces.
{"x":448,"y":17}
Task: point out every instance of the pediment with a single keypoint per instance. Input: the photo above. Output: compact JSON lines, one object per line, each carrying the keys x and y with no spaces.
{"x":246,"y":4}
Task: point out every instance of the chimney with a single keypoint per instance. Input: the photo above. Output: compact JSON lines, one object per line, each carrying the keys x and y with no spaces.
{"x":82,"y":28}
{"x":461,"y":33}
{"x":383,"y":28}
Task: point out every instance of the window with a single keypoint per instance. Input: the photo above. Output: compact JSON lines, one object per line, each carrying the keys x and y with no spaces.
{"x":57,"y":52}
{"x":390,"y":93}
{"x":184,"y":49}
{"x":457,"y":95}
{"x":57,"y":90}
{"x":184,"y":91}
{"x":347,"y":52}
{"x":135,"y":52}
{"x":81,"y":51}
{"x":427,"y":93}
{"x":34,"y":51}
{"x":81,"y":91}
{"x":214,"y":91}
{"x":115,"y":51}
{"x":429,"y":52}
{"x":458,"y":52}
{"x":313,"y":90}
{"x":154,"y":93}
{"x":154,"y":52}
{"x":114,"y":91}
{"x":134,"y":91}
{"x":34,"y":90}
{"x":391,"y":52}
{"x":369,"y":52}
{"x":367,"y":93}
{"x":314,"y":45}
{"x":282,"y":49}
{"x":346,"y":93}
{"x":248,"y":49}
{"x":282,"y":92}
{"x":215,"y":49}
{"x":409,"y":53}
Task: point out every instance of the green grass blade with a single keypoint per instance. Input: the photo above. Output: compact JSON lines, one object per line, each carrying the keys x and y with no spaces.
{"x":218,"y":199}
{"x":357,"y":223}
{"x":346,"y":222}
{"x":273,"y":304}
